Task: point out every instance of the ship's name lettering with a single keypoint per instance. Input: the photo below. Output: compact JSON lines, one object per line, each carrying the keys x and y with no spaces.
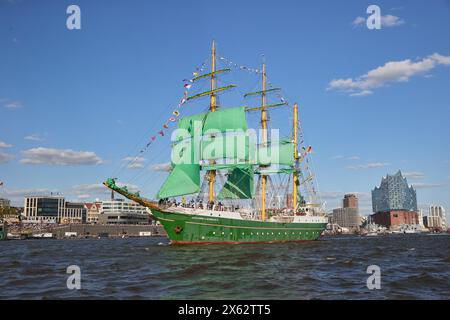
{"x":207,"y":219}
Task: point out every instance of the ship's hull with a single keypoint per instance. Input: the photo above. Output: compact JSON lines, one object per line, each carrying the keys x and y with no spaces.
{"x":184,"y":228}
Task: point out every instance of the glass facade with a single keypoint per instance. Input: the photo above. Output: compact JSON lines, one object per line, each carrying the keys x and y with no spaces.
{"x":47,"y":207}
{"x":394,"y":194}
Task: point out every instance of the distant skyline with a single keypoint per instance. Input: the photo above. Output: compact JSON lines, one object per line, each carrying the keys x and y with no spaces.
{"x":75,"y":105}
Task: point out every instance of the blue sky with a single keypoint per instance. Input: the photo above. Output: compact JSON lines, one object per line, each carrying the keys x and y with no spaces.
{"x":372,"y":101}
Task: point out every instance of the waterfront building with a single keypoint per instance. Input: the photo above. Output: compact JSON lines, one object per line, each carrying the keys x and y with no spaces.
{"x":74,"y":212}
{"x":421,"y":218}
{"x":348,"y":215}
{"x":395,"y":218}
{"x":394,"y":202}
{"x":394,"y":194}
{"x":436,"y":218}
{"x":119,"y":211}
{"x":93,"y":211}
{"x":53,"y":209}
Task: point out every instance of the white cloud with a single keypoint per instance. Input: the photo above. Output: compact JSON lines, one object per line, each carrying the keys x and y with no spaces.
{"x":358,"y":21}
{"x":390,"y":72}
{"x":391,"y":21}
{"x":60,"y":157}
{"x":420,"y":185}
{"x":5,"y":157}
{"x":445,"y":60}
{"x":4,"y":145}
{"x":386,"y":21}
{"x":345,"y":157}
{"x":17,"y":195}
{"x":162,"y":167}
{"x":362,"y":93}
{"x":34,"y":137}
{"x":134,"y":162}
{"x":368,"y":166}
{"x":13,"y":105}
{"x":413,"y":175}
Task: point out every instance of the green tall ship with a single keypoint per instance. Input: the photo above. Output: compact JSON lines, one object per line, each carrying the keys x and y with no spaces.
{"x":215,"y":151}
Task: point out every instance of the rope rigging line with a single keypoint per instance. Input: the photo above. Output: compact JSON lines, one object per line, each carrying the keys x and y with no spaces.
{"x":175,"y":114}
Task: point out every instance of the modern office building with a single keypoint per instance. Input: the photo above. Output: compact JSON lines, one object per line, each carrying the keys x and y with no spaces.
{"x":53,"y":209}
{"x":394,"y":202}
{"x":120,"y":211}
{"x":348,"y":215}
{"x":436,"y":218}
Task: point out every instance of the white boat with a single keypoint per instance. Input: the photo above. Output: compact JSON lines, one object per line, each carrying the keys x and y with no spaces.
{"x":45,"y":235}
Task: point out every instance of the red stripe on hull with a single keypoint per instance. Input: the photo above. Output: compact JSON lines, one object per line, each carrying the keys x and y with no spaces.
{"x":174,"y":242}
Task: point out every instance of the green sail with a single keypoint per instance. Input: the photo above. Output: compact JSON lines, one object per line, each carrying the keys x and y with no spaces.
{"x":285,"y":150}
{"x":239,"y":184}
{"x":187,"y":123}
{"x":213,"y":122}
{"x":238,"y":147}
{"x":184,"y":179}
{"x":185,"y":152}
{"x":226,"y":119}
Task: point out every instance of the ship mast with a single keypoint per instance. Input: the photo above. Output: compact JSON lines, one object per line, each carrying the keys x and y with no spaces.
{"x":295,"y":174}
{"x":264,"y":140}
{"x":212,"y":108}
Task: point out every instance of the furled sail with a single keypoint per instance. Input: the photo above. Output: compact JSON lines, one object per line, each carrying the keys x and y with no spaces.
{"x":239,"y":184}
{"x":184,"y":179}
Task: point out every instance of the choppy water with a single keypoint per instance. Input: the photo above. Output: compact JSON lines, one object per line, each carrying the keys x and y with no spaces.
{"x":412,"y":267}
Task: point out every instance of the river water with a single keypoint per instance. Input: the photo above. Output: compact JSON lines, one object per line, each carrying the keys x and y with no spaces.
{"x":411,"y":267}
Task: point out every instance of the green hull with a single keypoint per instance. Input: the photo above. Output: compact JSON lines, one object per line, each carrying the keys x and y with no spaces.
{"x":196,"y":229}
{"x":2,"y":235}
